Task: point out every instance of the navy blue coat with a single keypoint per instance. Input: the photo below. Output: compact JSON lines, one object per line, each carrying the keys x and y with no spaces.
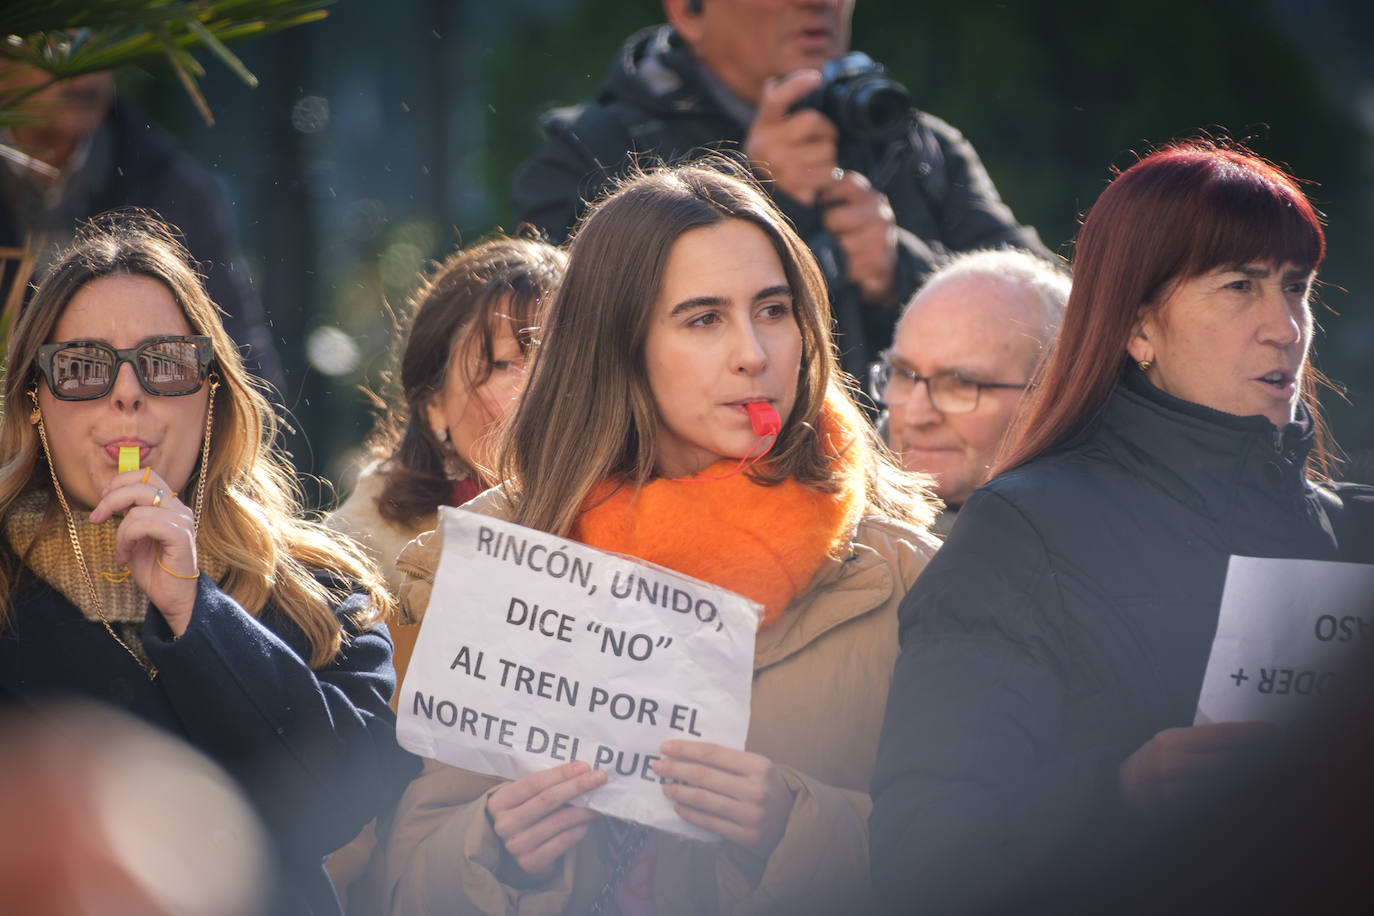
{"x":315,"y":751}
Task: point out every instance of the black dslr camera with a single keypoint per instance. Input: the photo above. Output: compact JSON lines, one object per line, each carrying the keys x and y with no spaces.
{"x":860,"y":98}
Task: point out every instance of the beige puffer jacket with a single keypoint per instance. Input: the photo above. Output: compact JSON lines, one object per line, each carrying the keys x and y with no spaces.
{"x":820,"y":685}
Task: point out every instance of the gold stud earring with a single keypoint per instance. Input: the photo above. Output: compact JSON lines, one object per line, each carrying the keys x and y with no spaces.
{"x":1143,"y":364}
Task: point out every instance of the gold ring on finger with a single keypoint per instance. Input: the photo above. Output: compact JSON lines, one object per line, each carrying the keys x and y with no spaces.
{"x":157,"y":499}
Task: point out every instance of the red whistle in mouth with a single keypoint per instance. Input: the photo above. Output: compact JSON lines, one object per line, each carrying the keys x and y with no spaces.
{"x":763,"y":418}
{"x":766,"y":423}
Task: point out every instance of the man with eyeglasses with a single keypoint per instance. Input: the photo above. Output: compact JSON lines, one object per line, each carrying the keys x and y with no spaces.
{"x":961,"y":357}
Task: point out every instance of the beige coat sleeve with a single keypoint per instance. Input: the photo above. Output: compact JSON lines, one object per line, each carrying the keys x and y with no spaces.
{"x":444,"y":857}
{"x":416,"y":564}
{"x":818,"y":864}
{"x":359,"y":518}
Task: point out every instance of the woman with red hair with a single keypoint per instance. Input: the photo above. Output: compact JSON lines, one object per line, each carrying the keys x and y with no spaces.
{"x":1054,"y":649}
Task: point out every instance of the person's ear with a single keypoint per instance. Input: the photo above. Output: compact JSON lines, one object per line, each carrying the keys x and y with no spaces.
{"x":685,"y":18}
{"x":1140,"y":345}
{"x":436,"y":418}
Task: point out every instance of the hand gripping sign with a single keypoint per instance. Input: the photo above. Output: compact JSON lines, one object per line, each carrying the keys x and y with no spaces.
{"x":536,"y":651}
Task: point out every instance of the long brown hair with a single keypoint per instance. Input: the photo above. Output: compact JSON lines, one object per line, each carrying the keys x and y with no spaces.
{"x":1177,"y":213}
{"x":588,"y":413}
{"x":456,"y":309}
{"x":251,"y":521}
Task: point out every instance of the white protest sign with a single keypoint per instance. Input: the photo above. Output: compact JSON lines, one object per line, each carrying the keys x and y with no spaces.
{"x":1284,"y":633}
{"x":536,"y":650}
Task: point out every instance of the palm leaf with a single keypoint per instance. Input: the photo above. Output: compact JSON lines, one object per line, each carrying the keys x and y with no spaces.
{"x":67,"y":38}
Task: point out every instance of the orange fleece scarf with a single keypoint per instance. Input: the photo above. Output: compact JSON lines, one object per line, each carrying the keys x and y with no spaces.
{"x":765,"y":543}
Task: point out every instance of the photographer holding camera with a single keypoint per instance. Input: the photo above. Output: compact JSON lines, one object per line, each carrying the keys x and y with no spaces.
{"x":880,"y":191}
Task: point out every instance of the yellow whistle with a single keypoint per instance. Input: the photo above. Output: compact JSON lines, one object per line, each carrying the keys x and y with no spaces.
{"x":128,"y":458}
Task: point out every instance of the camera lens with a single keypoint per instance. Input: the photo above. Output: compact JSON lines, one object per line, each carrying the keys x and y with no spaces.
{"x":879,"y":109}
{"x":860,"y":98}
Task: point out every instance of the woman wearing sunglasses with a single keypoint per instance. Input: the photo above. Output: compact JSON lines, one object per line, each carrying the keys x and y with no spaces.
{"x":154,"y":557}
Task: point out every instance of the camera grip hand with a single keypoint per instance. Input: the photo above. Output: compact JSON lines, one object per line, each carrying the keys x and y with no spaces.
{"x":794,"y":149}
{"x":861,"y":219}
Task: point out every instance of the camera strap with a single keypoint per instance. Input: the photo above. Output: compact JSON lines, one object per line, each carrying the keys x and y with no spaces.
{"x":889,"y":163}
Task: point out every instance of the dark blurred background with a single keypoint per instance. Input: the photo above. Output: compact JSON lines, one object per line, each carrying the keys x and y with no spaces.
{"x":383,"y":136}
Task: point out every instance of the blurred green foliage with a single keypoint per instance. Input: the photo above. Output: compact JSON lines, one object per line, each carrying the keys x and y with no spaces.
{"x":69,"y":38}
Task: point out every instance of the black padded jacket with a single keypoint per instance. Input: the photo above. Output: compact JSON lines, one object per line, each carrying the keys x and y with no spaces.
{"x":1067,"y":620}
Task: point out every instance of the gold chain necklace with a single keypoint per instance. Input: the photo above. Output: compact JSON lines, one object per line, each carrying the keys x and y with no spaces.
{"x":36,"y":418}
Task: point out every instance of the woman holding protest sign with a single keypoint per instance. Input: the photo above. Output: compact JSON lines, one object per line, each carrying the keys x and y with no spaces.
{"x":154,"y":556}
{"x":687,"y":354}
{"x":1053,"y":653}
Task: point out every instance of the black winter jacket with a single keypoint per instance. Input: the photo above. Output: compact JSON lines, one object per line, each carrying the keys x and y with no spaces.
{"x":1068,"y":619}
{"x":652,"y":102}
